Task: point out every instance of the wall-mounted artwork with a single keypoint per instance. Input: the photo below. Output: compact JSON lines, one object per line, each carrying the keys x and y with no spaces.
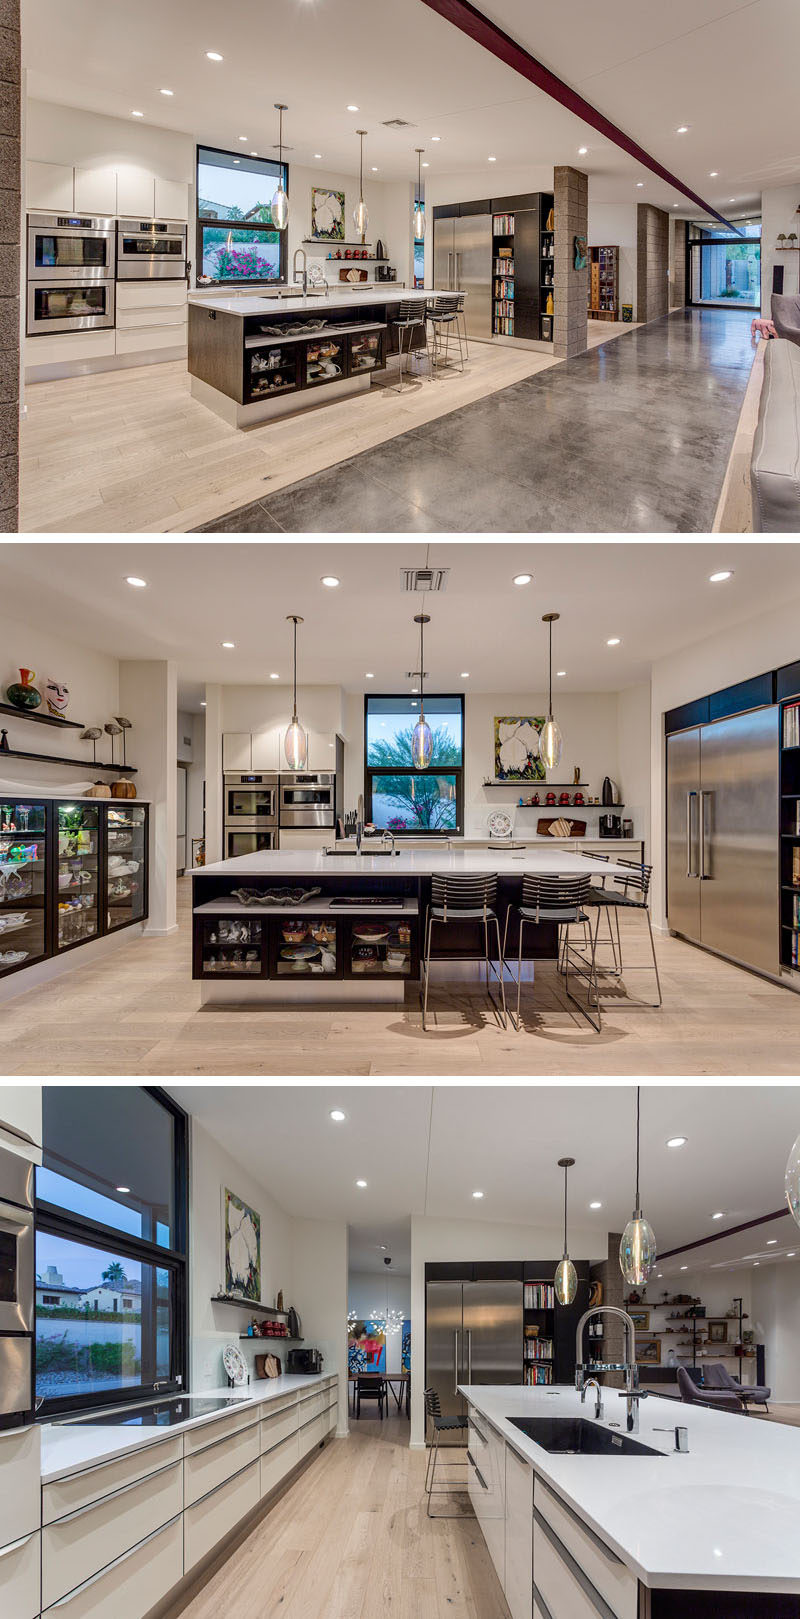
{"x":516,"y":748}
{"x":405,"y":1348}
{"x":640,"y":1319}
{"x":648,"y":1351}
{"x":366,"y":1347}
{"x":327,"y":214}
{"x":595,"y":1294}
{"x":241,"y":1227}
{"x":718,"y":1332}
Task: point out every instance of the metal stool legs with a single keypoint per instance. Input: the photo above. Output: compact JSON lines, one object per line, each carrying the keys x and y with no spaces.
{"x":430,"y":1477}
{"x":426,"y":966}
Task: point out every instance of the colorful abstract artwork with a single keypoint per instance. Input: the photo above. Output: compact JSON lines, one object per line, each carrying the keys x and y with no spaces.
{"x":405,"y":1348}
{"x":242,"y":1240}
{"x":516,"y":748}
{"x":366,"y":1347}
{"x":327,"y":214}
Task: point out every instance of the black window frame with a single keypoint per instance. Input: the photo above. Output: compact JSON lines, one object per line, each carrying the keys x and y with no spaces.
{"x":376,"y":772}
{"x":58,"y":1222}
{"x":705,"y":237}
{"x":239,"y":224}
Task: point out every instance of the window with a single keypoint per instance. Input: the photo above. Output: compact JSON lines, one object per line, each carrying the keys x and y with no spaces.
{"x":235,"y":239}
{"x":726,"y":269}
{"x":111,"y":1246}
{"x":399,"y":797}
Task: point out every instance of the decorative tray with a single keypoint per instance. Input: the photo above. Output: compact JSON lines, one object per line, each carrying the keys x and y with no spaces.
{"x":274,"y":896}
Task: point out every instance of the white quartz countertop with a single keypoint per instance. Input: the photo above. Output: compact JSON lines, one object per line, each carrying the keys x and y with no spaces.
{"x":285,"y":866}
{"x":342,"y":298}
{"x":68,"y":1448}
{"x":722,"y":1517}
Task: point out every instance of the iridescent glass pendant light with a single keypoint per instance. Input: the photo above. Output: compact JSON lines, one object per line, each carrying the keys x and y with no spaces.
{"x":422,"y":738}
{"x":419,"y":210}
{"x":295,"y":742}
{"x":280,"y":202}
{"x":792,"y":1182}
{"x":566,"y":1277}
{"x":360,"y":212}
{"x":551,"y":741}
{"x":637,"y":1249}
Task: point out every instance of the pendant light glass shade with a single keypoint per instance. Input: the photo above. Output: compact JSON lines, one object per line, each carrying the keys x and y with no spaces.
{"x":565,"y":1281}
{"x":551,"y":742}
{"x":422,"y":736}
{"x":279,"y":208}
{"x":637,"y":1249}
{"x":792,"y":1182}
{"x":361,"y":212}
{"x":295,"y":742}
{"x":419,"y":211}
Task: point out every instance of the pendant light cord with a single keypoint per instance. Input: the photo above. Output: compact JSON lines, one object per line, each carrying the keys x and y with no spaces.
{"x":550,"y":674}
{"x":638,"y":1091}
{"x":294,"y":675}
{"x":421,"y":671}
{"x":566,"y":1172}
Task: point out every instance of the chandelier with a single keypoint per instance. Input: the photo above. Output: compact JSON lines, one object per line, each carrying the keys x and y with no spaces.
{"x":389,"y":1321}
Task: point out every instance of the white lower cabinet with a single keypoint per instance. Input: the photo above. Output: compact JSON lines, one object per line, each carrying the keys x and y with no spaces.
{"x":205,"y":1470}
{"x":278,"y":1426}
{"x":168,"y":334}
{"x":77,"y":1547}
{"x":209,"y":1521}
{"x":277,"y":1463}
{"x":20,"y":1577}
{"x":133,"y":1584}
{"x":20,"y":1472}
{"x":609,"y":1578}
{"x":67,"y":347}
{"x":311,"y":1435}
{"x":67,"y":1495}
{"x":519,"y":1535}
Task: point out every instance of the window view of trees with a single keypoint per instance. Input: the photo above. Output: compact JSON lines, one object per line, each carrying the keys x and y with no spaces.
{"x":100,"y":1321}
{"x":235,"y":192}
{"x":399,"y":797}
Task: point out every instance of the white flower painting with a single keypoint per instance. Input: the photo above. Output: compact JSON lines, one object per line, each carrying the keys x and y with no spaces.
{"x":242,"y":1248}
{"x":516,"y":748}
{"x":327,"y":214}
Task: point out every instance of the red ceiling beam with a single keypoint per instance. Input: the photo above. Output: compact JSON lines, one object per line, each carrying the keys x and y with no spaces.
{"x":472,"y":22}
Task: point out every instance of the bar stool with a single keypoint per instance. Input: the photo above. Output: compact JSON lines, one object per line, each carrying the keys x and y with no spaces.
{"x":633,"y":895}
{"x":462,"y":319}
{"x":603,"y":859}
{"x":411,"y":312}
{"x":463,"y":899}
{"x":442,"y":317}
{"x":440,"y":1425}
{"x":560,"y":900}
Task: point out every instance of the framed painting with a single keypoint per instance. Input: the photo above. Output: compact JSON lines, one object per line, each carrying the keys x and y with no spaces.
{"x":718,"y":1332}
{"x":405,"y":1347}
{"x":327,"y":214}
{"x":640,"y":1319}
{"x":241,"y":1227}
{"x":516,"y":748}
{"x":366,"y":1347}
{"x":648,"y":1352}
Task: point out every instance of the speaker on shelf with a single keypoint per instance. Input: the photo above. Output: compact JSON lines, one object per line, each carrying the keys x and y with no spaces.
{"x":777,"y":278}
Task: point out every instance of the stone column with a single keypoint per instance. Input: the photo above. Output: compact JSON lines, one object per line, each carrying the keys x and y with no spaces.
{"x":607,"y":1272}
{"x":571,"y":289}
{"x":652,"y":262}
{"x":10,"y":227}
{"x":678,"y":290}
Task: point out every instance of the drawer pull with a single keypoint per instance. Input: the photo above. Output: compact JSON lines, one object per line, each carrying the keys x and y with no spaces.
{"x":610,"y":1555}
{"x":113,"y":1495}
{"x":117,"y":1563}
{"x":16,"y":1545}
{"x":215,"y":1443}
{"x":590,"y":1591}
{"x":226,"y":1483}
{"x":480,"y":1477}
{"x":481,"y":1436}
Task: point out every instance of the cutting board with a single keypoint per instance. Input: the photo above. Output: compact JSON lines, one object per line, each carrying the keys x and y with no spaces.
{"x":577,"y":829}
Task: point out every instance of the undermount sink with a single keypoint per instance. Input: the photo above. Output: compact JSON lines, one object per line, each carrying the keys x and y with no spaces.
{"x":575,"y":1436}
{"x":350,"y":853}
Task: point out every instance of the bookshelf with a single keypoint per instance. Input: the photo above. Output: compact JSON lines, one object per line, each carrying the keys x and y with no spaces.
{"x":538,"y":1348}
{"x":790,"y":829}
{"x":604,"y":283}
{"x":523,"y":267}
{"x":503,"y":227}
{"x":546,"y":266}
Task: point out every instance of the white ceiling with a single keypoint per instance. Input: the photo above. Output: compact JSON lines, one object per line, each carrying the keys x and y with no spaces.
{"x":655,"y":597}
{"x":726,"y":68}
{"x":425,"y":1150}
{"x":772,"y":1242}
{"x":372,"y":1244}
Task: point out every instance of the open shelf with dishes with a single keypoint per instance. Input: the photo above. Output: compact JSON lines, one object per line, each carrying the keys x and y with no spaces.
{"x":305,"y":947}
{"x":317,"y":939}
{"x":271,"y":368}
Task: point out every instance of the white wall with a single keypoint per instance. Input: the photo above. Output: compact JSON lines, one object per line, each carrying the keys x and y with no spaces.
{"x":778,"y":213}
{"x":776,"y":1318}
{"x":383,"y":204}
{"x":93,"y":680}
{"x":148,"y":694}
{"x":319,"y":1278}
{"x":366,"y":1293}
{"x":613,"y":224}
{"x":196,"y":776}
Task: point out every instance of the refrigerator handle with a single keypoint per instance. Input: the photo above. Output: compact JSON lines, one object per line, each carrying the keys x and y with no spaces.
{"x":704,"y":876}
{"x":469,"y":1354}
{"x":455,"y":1361}
{"x":689,"y":871}
{"x":457,"y":281}
{"x":450,"y":271}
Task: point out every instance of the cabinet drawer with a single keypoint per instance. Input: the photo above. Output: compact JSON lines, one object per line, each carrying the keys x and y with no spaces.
{"x":309,"y":1407}
{"x":150,"y":295}
{"x":20,"y":1580}
{"x":277,"y":1426}
{"x":67,"y":1495}
{"x":519,"y":1535}
{"x":68,"y":346}
{"x":133,"y":320}
{"x":143,"y":338}
{"x":277,"y":1463}
{"x":133,"y":1584}
{"x":477,"y":1486}
{"x":20,"y":1473}
{"x":311,"y":1435}
{"x":610,"y":1576}
{"x":494,"y":1533}
{"x":210,"y":1468}
{"x":210,"y":1520}
{"x":209,"y":1433}
{"x":75,"y":1548}
{"x":331,"y":1417}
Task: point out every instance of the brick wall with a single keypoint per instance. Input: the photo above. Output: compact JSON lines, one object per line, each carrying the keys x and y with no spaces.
{"x":652,"y":262}
{"x":571,"y":286}
{"x":10,"y":204}
{"x":678,"y":292}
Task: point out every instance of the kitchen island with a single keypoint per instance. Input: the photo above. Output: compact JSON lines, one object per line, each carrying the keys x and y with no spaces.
{"x":254,"y":357}
{"x":652,"y":1535}
{"x":358,"y":932}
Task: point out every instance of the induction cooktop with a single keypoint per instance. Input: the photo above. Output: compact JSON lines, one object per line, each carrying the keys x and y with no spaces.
{"x":158,"y":1414}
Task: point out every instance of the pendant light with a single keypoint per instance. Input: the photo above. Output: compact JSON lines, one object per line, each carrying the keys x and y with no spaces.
{"x":566,"y":1277}
{"x":551,"y":741}
{"x":295,"y":742}
{"x":361,"y":212}
{"x":792,"y":1182}
{"x":637,"y":1249}
{"x":419,"y":211}
{"x":280,"y":202}
{"x":422,"y":739}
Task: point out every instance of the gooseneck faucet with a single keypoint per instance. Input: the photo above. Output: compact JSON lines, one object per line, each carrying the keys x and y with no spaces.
{"x":388,"y":833}
{"x":359,"y":822}
{"x":632,"y":1392}
{"x":303,"y":272}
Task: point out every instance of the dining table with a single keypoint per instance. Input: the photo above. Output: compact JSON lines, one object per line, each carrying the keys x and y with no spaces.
{"x":401,"y":1391}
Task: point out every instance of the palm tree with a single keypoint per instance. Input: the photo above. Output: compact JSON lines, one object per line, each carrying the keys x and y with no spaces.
{"x":423,"y":799}
{"x":115,"y":1275}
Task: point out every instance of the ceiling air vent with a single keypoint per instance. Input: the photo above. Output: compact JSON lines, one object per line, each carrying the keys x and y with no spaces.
{"x":428,"y":580}
{"x":397,"y":123}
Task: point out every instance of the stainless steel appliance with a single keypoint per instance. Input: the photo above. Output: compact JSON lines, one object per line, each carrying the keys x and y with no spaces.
{"x":250,"y":812}
{"x":308,"y":798}
{"x":306,"y":1362}
{"x":722,"y":837}
{"x":473,"y":1334}
{"x":610,"y":826}
{"x":150,"y":250}
{"x":17,"y":1290}
{"x":70,"y":273}
{"x":462,"y":262}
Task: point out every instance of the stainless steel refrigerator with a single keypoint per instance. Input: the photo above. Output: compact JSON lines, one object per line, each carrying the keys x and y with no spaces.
{"x":473,"y":1334}
{"x":722,"y":837}
{"x":462,"y":262}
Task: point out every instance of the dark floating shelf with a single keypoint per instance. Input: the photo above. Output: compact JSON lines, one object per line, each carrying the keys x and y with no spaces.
{"x":548,"y":786}
{"x":82,"y":764}
{"x":249,"y":1304}
{"x":317,"y":241}
{"x":41,"y":719}
{"x":255,"y":1338}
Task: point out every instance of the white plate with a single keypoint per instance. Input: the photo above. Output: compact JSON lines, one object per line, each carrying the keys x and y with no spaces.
{"x":235,"y":1364}
{"x":500,"y":824}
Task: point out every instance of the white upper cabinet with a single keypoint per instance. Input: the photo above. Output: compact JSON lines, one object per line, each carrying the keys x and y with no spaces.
{"x":267,"y":750}
{"x":96,"y":191}
{"x":21,"y":1111}
{"x":172,"y":199}
{"x":321,"y":750}
{"x":237,"y":750}
{"x":136,"y":192}
{"x":50,"y":186}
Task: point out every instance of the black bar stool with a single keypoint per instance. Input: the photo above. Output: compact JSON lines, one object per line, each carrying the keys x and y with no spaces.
{"x":631,"y":894}
{"x":442,"y":315}
{"x":560,"y":900}
{"x":440,"y":1425}
{"x":411,"y":313}
{"x":463,"y":899}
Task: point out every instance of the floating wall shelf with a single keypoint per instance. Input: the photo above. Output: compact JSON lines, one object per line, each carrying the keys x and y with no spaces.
{"x":251,"y":1305}
{"x":548,"y":786}
{"x":83,"y":764}
{"x":41,"y":719}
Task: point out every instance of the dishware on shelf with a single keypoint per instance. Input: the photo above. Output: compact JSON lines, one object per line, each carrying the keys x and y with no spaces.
{"x":235,"y":1365}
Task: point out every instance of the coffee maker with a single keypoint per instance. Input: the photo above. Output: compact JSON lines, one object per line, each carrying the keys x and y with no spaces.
{"x":385,"y":272}
{"x":610,"y":826}
{"x":305,"y":1362}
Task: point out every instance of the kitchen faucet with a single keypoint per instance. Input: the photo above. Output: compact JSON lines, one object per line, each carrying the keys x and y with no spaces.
{"x":303,"y":272}
{"x":632,"y":1392}
{"x":359,"y":822}
{"x":388,"y":833}
{"x":598,"y":1396}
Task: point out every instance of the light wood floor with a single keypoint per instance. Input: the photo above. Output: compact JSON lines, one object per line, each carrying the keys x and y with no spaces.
{"x":350,"y":1540}
{"x":138,"y":1013}
{"x":132,"y":452}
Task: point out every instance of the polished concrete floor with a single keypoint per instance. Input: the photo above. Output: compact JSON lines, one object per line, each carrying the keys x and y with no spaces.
{"x":632,"y":437}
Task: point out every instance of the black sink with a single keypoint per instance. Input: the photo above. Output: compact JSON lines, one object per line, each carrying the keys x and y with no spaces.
{"x":575,"y":1436}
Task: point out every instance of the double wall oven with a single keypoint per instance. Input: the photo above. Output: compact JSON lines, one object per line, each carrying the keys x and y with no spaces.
{"x":308,"y":799}
{"x":71,"y":284}
{"x":150,"y":250}
{"x":17,"y":1289}
{"x":250,"y":819}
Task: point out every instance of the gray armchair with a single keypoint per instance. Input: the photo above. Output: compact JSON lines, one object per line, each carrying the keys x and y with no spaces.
{"x":718,"y":1377}
{"x":785,"y":310}
{"x":718,"y":1399}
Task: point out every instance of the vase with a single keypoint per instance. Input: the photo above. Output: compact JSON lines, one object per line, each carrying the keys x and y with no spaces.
{"x":23,"y":694}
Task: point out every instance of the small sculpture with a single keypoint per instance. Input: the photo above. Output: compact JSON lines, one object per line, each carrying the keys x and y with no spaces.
{"x":576,"y":776}
{"x":124,"y":725}
{"x":112,"y":730}
{"x":57,"y":695}
{"x":23,"y":694}
{"x":4,"y":748}
{"x":91,"y":734}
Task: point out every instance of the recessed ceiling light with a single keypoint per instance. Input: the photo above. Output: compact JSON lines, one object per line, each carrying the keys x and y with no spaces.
{"x":203,"y":705}
{"x":244,"y":137}
{"x":229,"y":644}
{"x":756,"y":1261}
{"x":677,"y":1141}
{"x":213,"y":56}
{"x":771,"y":1241}
{"x":166,"y":92}
{"x":683,"y":129}
{"x":374,"y":170}
{"x":477,"y":1194}
{"x":330,"y":580}
{"x":273,"y":676}
{"x":492,"y":159}
{"x":639,"y":184}
{"x":676,"y":205}
{"x":684,"y":1267}
{"x":659,"y":1274}
{"x":318,"y":154}
{"x":426,"y":165}
{"x":337,"y":1115}
{"x":719,"y":578}
{"x":791,"y":1254}
{"x":595,"y":1205}
{"x":138,"y":584}
{"x":254,"y":154}
{"x":464,"y":674}
{"x":135,"y":114}
{"x":351,"y":108}
{"x":362,"y":1184}
{"x":369,"y":675}
{"x":123,"y":1189}
{"x":613,"y":640}
{"x":522,"y":578}
{"x":436,"y":137}
{"x":720,"y":1215}
{"x":560,"y":674}
{"x":582,"y":150}
{"x":714,"y":175}
{"x":731,"y":199}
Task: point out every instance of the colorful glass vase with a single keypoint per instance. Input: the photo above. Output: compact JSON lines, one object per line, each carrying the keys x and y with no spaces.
{"x":23,"y":694}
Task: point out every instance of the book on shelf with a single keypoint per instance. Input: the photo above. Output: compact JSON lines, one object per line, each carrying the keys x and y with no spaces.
{"x":795,"y":961}
{"x":538,"y":1349}
{"x":796,"y":910}
{"x":503,"y":224}
{"x":796,"y":868}
{"x":791,"y":725}
{"x":504,"y":263}
{"x":503,"y":288}
{"x":539,"y":1296}
{"x":536,"y":1375}
{"x":504,"y":325}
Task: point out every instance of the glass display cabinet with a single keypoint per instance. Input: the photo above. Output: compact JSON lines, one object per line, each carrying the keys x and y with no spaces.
{"x":306,"y":948}
{"x":23,"y":914}
{"x":125,"y":864}
{"x":380,"y":948}
{"x":232,"y":947}
{"x":271,"y":369}
{"x":77,"y":874}
{"x":366,"y":352}
{"x":325,"y":360}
